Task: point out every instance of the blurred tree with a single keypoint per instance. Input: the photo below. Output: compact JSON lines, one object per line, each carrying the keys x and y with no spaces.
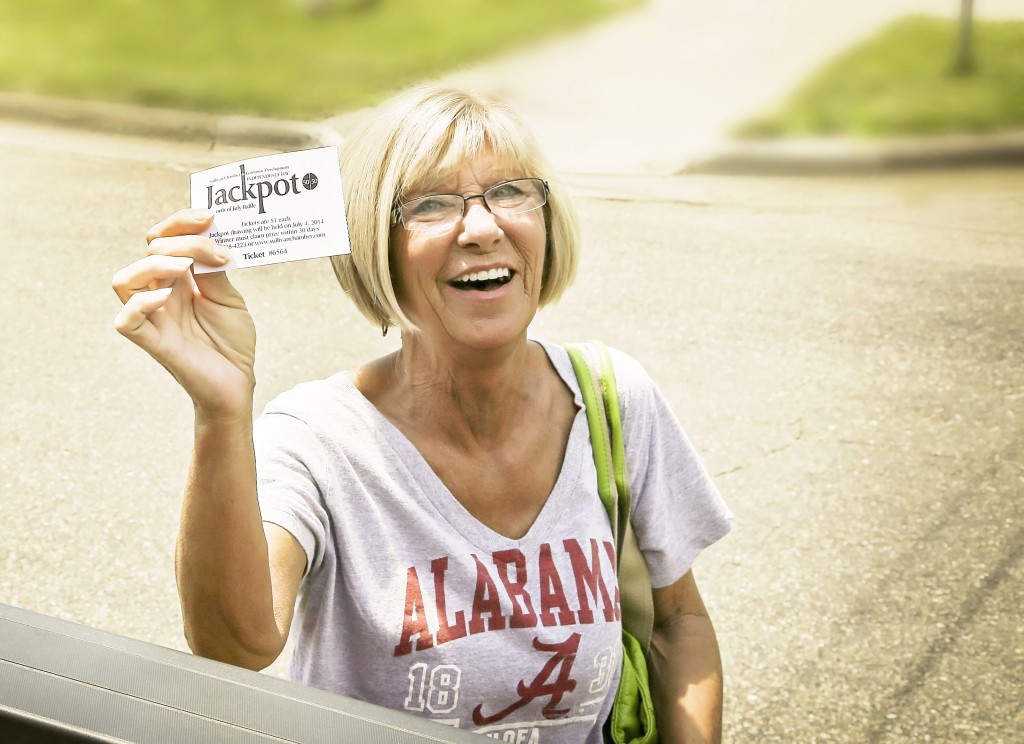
{"x":963,"y":64}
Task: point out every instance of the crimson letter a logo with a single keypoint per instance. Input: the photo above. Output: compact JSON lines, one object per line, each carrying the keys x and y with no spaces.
{"x":564,"y":654}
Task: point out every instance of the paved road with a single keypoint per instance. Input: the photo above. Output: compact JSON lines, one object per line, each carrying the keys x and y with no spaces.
{"x":658,"y":88}
{"x":846,"y":353}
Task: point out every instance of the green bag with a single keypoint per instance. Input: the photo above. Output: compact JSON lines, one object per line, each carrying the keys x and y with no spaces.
{"x":632,"y":717}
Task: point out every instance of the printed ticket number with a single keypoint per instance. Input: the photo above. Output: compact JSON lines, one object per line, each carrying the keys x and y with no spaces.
{"x":283,"y":207}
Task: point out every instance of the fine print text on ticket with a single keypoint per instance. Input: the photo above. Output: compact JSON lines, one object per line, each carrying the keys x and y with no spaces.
{"x":275,"y":208}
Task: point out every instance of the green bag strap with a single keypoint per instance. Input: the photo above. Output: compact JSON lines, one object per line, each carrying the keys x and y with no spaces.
{"x":599,"y":432}
{"x":613,"y":414}
{"x":593,"y":366}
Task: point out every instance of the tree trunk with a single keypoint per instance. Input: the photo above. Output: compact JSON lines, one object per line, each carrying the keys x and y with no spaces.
{"x":964,"y":63}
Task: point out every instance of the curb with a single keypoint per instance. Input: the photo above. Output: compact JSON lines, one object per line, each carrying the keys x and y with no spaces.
{"x":167,"y":124}
{"x":837,"y":157}
{"x":804,"y":157}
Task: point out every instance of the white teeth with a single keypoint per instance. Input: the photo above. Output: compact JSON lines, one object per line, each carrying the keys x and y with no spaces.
{"x":481,"y":276}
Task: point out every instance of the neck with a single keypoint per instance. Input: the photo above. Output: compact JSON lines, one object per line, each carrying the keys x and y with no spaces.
{"x":471,"y":395}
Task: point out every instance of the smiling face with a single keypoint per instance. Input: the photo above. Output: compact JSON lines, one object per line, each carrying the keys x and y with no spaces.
{"x":477,"y":284}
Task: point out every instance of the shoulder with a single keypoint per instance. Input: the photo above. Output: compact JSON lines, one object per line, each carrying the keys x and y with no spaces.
{"x":309,"y":396}
{"x":321,"y":406}
{"x":632,"y":382}
{"x":323,"y":424}
{"x":626,"y":367}
{"x":630,"y":375}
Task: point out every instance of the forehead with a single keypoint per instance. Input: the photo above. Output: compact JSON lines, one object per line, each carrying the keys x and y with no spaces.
{"x":473,"y":175}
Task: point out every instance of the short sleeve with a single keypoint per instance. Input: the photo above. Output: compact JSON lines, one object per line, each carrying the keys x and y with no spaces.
{"x":676,"y":510}
{"x":289,"y":462}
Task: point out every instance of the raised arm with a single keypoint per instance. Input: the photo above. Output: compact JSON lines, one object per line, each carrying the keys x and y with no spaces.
{"x":237,"y":580}
{"x":237,"y":577}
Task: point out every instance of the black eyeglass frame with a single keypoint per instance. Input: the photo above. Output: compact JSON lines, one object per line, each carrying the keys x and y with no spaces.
{"x":396,"y":210}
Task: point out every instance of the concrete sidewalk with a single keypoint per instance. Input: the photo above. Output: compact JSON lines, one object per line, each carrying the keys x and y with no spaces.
{"x":653,"y":91}
{"x":657,"y":90}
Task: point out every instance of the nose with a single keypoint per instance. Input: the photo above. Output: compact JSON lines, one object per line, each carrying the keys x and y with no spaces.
{"x":479,"y":225}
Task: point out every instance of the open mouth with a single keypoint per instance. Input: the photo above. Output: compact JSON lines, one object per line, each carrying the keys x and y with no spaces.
{"x":483,"y":281}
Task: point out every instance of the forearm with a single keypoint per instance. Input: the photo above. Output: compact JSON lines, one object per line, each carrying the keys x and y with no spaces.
{"x":222,"y":563}
{"x":686,"y":680}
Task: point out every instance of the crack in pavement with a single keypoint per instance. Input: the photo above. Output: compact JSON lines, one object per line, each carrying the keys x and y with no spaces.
{"x":966,"y":615}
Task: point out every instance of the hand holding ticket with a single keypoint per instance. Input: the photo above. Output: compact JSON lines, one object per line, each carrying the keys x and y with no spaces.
{"x":282,"y":207}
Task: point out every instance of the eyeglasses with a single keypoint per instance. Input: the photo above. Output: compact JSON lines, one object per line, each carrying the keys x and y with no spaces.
{"x":439,"y":212}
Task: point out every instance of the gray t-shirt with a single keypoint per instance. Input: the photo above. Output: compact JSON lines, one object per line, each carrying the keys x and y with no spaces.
{"x":411,"y":603}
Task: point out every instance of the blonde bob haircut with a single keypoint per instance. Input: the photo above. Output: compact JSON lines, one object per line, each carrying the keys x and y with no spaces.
{"x":420,"y":137}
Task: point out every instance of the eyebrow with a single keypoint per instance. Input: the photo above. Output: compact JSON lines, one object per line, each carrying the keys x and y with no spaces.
{"x":419,"y":193}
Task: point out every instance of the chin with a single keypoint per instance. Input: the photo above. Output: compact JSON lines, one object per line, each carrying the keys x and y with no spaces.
{"x":490,"y":334}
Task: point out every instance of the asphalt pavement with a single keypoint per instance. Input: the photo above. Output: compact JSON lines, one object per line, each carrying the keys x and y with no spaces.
{"x":845,"y":352}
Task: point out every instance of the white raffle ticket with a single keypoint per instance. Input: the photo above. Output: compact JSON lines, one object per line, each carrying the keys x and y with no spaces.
{"x":275,"y":208}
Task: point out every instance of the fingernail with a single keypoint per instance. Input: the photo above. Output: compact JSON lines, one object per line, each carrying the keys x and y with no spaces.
{"x":202,"y":215}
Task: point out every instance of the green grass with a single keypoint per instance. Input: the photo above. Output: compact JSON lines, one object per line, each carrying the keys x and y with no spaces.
{"x":901,"y":83}
{"x":263,"y":57}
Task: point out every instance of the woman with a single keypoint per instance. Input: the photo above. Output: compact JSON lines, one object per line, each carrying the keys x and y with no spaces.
{"x":435,"y":511}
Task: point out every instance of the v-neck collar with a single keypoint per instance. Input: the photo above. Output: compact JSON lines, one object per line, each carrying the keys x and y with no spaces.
{"x":562,"y":495}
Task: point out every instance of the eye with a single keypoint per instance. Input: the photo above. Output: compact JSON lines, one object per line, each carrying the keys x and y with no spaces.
{"x":509,"y":190}
{"x":511,"y":195}
{"x":428,"y":207}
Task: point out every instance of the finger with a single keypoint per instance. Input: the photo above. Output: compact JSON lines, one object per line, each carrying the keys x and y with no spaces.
{"x":149,"y":273}
{"x":216,"y":287}
{"x":182,"y":222}
{"x":201,"y":248}
{"x":133,"y":320}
